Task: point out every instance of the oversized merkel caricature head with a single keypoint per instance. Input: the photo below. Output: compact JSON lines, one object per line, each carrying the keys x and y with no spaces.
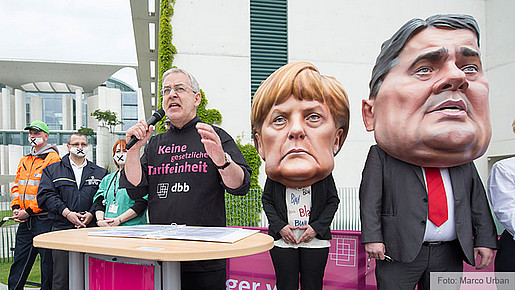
{"x":428,"y":102}
{"x":299,"y":121}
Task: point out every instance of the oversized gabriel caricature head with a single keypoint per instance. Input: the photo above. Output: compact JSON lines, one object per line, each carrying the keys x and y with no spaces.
{"x":428,"y":102}
{"x":299,"y":120}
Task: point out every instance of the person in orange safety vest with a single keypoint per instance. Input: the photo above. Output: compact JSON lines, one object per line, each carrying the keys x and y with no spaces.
{"x":32,"y":220}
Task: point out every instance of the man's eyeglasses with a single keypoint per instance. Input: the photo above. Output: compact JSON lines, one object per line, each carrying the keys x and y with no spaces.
{"x":79,"y":144}
{"x":179,"y":89}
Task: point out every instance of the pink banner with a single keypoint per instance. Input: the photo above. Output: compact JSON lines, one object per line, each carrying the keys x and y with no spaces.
{"x":107,"y":275}
{"x":346,"y":267}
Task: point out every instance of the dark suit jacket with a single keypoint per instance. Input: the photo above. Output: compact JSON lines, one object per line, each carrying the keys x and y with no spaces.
{"x":324,"y":203}
{"x":394,"y":207}
{"x":58,"y":190}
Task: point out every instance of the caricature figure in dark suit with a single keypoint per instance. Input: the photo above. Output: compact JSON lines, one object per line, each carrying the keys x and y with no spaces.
{"x":422,"y":202}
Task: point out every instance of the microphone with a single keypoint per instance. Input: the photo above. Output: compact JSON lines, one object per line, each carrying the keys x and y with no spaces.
{"x":158,"y":115}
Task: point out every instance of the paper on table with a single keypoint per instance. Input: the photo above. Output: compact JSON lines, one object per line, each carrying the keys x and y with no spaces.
{"x":210,"y":234}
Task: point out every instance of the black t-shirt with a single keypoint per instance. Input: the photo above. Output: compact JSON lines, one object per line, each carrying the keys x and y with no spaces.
{"x":182,"y":182}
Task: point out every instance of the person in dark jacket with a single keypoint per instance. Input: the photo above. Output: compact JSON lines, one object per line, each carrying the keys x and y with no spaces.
{"x":66,"y":192}
{"x":300,"y":119}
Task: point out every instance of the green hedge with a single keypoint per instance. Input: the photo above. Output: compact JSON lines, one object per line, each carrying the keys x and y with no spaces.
{"x":210,"y":116}
{"x":166,"y":49}
{"x":245,"y":210}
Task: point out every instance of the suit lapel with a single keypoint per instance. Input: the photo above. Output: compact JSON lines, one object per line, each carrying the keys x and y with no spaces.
{"x":282,"y":202}
{"x":457,"y":176}
{"x":418,"y":172}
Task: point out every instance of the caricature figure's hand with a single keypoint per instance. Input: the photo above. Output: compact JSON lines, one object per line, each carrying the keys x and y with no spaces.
{"x":487,"y":255}
{"x":375,"y":250}
{"x":308,"y":235}
{"x":288,"y":235}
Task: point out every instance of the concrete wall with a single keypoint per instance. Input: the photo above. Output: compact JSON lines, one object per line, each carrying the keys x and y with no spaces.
{"x":36,"y":108}
{"x":15,"y":154}
{"x":105,"y":142}
{"x":4,"y":160}
{"x":6,"y":108}
{"x":345,"y":45}
{"x":342,"y":38}
{"x":213,"y":43}
{"x":104,"y":99}
{"x":500,"y":55}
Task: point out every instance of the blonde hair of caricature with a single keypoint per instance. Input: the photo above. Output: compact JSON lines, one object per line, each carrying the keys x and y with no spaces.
{"x":304,"y":81}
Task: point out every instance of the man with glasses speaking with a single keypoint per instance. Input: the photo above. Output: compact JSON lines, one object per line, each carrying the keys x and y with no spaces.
{"x":186,"y":171}
{"x":66,"y":192}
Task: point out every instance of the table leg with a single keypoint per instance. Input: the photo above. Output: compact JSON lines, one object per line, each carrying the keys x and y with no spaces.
{"x":172,"y":275}
{"x":76,"y":260}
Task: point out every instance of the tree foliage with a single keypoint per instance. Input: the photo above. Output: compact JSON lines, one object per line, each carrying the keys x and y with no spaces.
{"x":106,"y":118}
{"x":86,"y":131}
{"x":210,"y":116}
{"x":166,"y":49}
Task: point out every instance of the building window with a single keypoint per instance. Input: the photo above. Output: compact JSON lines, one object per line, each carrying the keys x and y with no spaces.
{"x":130,"y":98}
{"x":129,"y":109}
{"x":151,"y":7}
{"x":27,"y":109}
{"x":51,"y":107}
{"x":130,"y":112}
{"x":152,"y":36}
{"x":268,"y":39}
{"x":128,"y":123}
{"x":153,"y":69}
{"x":118,"y":84}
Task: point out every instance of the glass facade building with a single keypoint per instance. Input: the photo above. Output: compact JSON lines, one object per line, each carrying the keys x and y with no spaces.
{"x":52,"y":114}
{"x":129,"y":102}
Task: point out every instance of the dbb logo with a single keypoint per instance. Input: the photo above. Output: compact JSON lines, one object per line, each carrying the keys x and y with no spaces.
{"x":178,"y":187}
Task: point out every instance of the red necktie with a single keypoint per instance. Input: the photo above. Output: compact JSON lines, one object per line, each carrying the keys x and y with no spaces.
{"x":436,"y":196}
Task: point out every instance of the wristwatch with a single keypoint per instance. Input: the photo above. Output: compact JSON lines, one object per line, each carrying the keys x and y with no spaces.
{"x":228,"y":161}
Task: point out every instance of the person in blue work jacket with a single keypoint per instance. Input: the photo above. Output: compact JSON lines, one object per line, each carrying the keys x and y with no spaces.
{"x":66,"y":191}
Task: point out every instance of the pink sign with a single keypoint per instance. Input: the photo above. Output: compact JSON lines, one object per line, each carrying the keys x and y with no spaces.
{"x":346,"y":267}
{"x":108,"y":275}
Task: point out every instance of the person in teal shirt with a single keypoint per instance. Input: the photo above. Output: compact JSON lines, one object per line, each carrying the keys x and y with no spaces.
{"x":114,"y":207}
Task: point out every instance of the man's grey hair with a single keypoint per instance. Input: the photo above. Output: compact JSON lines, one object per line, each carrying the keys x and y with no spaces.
{"x":193,"y":82}
{"x":390,"y":49}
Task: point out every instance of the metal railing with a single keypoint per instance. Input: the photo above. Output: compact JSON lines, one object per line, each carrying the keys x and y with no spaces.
{"x":346,"y":217}
{"x":8,"y":229}
{"x":241,"y":211}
